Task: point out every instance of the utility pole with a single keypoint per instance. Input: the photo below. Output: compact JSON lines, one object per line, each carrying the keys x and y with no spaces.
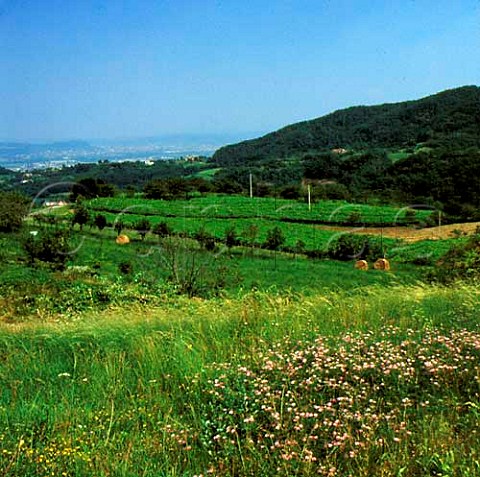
{"x":309,"y":198}
{"x":251,"y":186}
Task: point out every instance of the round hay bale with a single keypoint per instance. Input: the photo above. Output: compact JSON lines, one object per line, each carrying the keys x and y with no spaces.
{"x":361,"y":265}
{"x":122,"y":240}
{"x":382,"y":264}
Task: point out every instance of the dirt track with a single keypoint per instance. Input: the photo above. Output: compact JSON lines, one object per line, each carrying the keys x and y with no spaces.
{"x":410,"y":234}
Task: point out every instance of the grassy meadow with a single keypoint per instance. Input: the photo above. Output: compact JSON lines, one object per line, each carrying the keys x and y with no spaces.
{"x":279,"y":365}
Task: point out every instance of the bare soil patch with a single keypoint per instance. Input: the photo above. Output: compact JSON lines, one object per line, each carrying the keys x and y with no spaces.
{"x":410,"y":234}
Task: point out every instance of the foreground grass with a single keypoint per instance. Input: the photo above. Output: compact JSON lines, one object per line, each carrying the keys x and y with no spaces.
{"x":359,"y":382}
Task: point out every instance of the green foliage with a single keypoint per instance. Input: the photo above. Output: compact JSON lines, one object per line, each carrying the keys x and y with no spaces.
{"x":461,"y":262}
{"x":193,"y":271}
{"x":81,"y":215}
{"x":355,"y":247}
{"x":285,"y":410}
{"x":119,"y":225}
{"x":50,"y":246}
{"x":100,"y":221}
{"x":355,"y":217}
{"x":250,"y":234}
{"x":162,"y":229}
{"x":231,"y":238}
{"x":143,"y":226}
{"x":205,"y":239}
{"x":275,"y":239}
{"x":88,"y":188}
{"x":125,"y":268}
{"x":175,"y":188}
{"x":13,"y":209}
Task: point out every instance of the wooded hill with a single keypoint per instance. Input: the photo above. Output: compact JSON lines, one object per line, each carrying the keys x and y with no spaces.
{"x":450,"y":119}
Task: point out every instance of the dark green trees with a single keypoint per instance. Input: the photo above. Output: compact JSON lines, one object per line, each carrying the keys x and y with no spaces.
{"x":13,"y":209}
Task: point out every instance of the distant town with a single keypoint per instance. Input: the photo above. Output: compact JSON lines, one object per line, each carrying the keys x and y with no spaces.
{"x":26,"y":156}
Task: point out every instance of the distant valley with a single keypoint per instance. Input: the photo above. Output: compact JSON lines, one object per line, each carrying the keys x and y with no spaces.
{"x":28,"y":155}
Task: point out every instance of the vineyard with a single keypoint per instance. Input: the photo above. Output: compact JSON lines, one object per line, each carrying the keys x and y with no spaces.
{"x":267,"y":208}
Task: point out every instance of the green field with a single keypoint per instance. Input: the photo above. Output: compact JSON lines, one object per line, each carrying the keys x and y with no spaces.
{"x":235,"y":207}
{"x":161,"y":358}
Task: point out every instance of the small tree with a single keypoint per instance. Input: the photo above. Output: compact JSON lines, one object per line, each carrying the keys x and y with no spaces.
{"x":299,"y":247}
{"x":143,"y":226}
{"x":355,"y":247}
{"x":250,"y":234}
{"x":354,"y":217}
{"x":162,"y":229}
{"x":275,"y":239}
{"x":118,"y":226}
{"x":13,"y":209}
{"x":81,"y":216}
{"x":192,"y":271}
{"x":231,"y":238}
{"x":410,"y":216}
{"x":50,"y":246}
{"x":205,"y":239}
{"x":100,"y":222}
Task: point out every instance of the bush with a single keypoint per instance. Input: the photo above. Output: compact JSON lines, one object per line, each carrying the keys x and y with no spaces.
{"x":231,"y":238}
{"x":162,"y":229}
{"x":125,"y":268}
{"x":205,"y":239}
{"x":13,"y":209}
{"x":81,"y":216}
{"x":100,"y":222}
{"x":275,"y":239}
{"x":461,"y":262}
{"x":355,"y":247}
{"x":192,"y":271}
{"x":143,"y":226}
{"x":50,"y":246}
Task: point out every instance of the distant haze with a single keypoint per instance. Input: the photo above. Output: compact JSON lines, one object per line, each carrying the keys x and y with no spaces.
{"x":41,"y":154}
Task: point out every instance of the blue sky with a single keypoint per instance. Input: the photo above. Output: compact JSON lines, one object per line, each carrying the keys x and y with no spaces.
{"x":112,"y":68}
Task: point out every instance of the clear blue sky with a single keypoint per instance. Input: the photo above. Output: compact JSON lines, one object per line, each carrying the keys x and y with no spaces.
{"x":128,"y":68}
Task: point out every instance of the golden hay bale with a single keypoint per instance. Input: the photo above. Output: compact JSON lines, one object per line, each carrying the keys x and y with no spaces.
{"x":122,"y":240}
{"x":382,"y":264}
{"x":361,"y":265}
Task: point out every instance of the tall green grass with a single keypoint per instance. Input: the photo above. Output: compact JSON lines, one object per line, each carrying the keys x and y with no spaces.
{"x":139,"y":391}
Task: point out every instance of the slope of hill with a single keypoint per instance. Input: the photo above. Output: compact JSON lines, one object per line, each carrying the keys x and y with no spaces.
{"x":451,"y":117}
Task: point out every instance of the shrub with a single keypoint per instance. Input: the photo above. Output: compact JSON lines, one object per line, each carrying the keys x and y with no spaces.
{"x":192,"y":271}
{"x":13,"y":209}
{"x":231,"y":238}
{"x":205,"y":239}
{"x":50,"y":246}
{"x":355,"y":247}
{"x":81,"y":216}
{"x":354,"y":217}
{"x":143,"y":226}
{"x":461,"y":262}
{"x":100,"y":222}
{"x":125,"y":268}
{"x":275,"y":239}
{"x":119,"y":225}
{"x":162,"y":229}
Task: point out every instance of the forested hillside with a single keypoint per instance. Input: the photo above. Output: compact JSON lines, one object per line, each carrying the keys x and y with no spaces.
{"x":450,"y":118}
